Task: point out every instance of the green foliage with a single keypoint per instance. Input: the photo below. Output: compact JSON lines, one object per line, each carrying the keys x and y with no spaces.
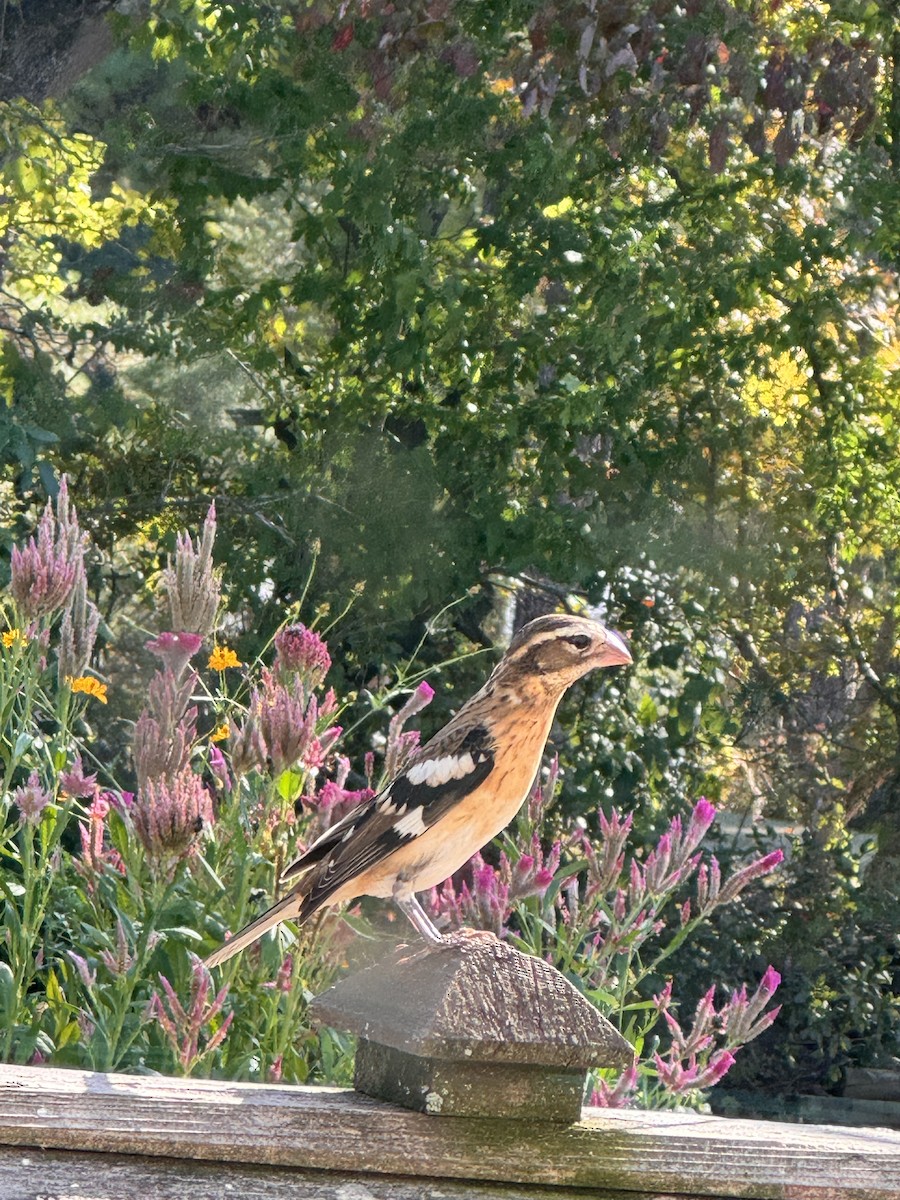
{"x":603,"y":297}
{"x":829,"y":929}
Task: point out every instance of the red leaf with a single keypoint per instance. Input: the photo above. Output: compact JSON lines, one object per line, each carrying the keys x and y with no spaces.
{"x":343,"y":37}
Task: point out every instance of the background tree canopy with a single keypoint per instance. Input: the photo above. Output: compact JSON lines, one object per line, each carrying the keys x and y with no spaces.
{"x":440,"y":297}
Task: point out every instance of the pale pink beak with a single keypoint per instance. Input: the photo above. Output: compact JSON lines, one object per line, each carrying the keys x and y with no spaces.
{"x":616,"y":652}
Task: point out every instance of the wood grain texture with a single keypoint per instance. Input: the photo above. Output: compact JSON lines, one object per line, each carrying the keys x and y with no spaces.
{"x":485,"y":1002}
{"x":334,"y":1130}
{"x":72,"y":1175}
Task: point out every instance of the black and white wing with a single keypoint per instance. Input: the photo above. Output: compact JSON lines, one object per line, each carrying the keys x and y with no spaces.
{"x":436,"y":780}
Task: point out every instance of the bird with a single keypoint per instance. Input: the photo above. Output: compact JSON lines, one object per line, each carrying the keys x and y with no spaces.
{"x":456,"y":792}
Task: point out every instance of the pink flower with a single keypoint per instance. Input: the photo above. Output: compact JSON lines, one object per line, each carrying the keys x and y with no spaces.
{"x":175,"y":649}
{"x":87,"y":976}
{"x":77,"y":631}
{"x":743,"y":1018}
{"x":618,"y":1095}
{"x":736,"y":883}
{"x":219,"y":768}
{"x":165,"y":731}
{"x":185,"y":1027}
{"x":191,"y":582}
{"x":31,"y":799}
{"x":532,"y":874}
{"x":94,"y":857}
{"x":74,"y":782}
{"x":44,"y":573}
{"x":301,"y":651}
{"x":120,"y":962}
{"x":168,"y":816}
{"x":678,"y":1079}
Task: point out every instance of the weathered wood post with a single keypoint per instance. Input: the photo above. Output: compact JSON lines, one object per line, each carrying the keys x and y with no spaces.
{"x":474,"y":1030}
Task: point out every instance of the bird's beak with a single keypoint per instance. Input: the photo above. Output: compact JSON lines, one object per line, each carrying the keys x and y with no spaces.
{"x":615,"y":653}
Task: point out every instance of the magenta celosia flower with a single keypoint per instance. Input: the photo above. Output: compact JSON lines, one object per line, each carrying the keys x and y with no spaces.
{"x":401,"y":745}
{"x":219,"y":768}
{"x":619,"y":1094}
{"x":44,"y":572}
{"x":332,"y":802}
{"x":284,"y":977}
{"x":191,"y":582}
{"x":77,"y":632}
{"x":743,"y":1018}
{"x":87,"y":976}
{"x":246,"y":746}
{"x":300,"y":651}
{"x":95,"y":856}
{"x":185,"y":1027}
{"x":286,"y":722}
{"x":736,"y":883}
{"x":74,"y":782}
{"x":168,"y":815}
{"x":32,"y":799}
{"x":120,"y":961}
{"x":489,"y":896}
{"x":166,"y":729}
{"x":175,"y":649}
{"x":420,"y":698}
{"x":532,"y":874}
{"x":677,"y":1078}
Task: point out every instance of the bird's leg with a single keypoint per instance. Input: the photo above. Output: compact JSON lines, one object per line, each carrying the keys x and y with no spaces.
{"x":420,"y":919}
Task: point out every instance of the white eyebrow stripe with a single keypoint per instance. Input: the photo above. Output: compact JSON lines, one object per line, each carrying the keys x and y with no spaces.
{"x":412,"y":824}
{"x":435,"y":771}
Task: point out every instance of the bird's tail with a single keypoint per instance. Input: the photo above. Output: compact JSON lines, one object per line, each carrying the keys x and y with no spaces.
{"x":291,"y":905}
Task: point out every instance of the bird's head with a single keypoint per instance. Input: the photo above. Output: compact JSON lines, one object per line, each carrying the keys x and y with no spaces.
{"x":557,"y":649}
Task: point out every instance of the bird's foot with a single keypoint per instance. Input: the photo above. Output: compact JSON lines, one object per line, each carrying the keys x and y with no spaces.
{"x":466,"y":937}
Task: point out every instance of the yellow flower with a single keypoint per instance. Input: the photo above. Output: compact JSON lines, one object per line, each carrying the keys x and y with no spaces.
{"x":11,"y":637}
{"x":220,"y":733}
{"x":88,"y":685}
{"x":221,"y":658}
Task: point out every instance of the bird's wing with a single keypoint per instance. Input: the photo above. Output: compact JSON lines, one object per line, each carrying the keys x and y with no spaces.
{"x":438,"y":777}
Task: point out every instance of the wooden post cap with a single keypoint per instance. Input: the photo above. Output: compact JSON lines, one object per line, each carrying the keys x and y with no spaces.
{"x":478,"y":1029}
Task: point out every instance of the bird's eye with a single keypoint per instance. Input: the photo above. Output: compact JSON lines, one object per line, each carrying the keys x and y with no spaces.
{"x":580,"y":641}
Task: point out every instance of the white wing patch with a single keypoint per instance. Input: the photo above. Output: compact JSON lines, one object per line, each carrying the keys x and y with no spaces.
{"x":410,"y":825}
{"x":436,"y":771}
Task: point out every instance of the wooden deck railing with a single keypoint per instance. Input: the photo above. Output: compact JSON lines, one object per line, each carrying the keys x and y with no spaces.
{"x":104,"y":1136}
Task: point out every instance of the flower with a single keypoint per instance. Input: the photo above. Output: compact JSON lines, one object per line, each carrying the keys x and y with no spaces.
{"x":175,"y":649}
{"x":222,"y":658}
{"x":88,"y":977}
{"x":94,"y":856}
{"x":13,"y":637}
{"x":285,"y":723}
{"x":619,"y":1094}
{"x":301,"y":651}
{"x":89,"y":686}
{"x":77,"y":632}
{"x":219,"y":768}
{"x":182,"y":1026}
{"x":74,"y":782}
{"x":220,"y":733}
{"x":191,"y":582}
{"x":44,"y":573}
{"x":166,"y":728}
{"x":31,"y":799}
{"x":168,"y":815}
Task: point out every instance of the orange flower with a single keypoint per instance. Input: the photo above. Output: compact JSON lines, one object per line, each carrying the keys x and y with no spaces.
{"x":221,"y":658}
{"x":220,"y":733}
{"x":89,"y":685}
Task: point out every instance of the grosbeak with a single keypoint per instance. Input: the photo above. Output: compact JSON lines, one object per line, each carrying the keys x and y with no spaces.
{"x":456,"y":792}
